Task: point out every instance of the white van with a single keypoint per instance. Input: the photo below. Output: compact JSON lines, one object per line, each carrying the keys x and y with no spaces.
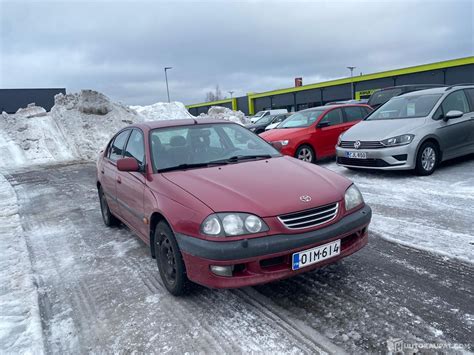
{"x":261,"y":114}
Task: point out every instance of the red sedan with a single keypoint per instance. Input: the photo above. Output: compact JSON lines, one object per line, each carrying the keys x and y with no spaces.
{"x":312,"y":134}
{"x":198,"y":193}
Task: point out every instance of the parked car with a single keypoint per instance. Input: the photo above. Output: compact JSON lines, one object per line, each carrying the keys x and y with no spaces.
{"x":379,"y":97}
{"x":259,"y":126}
{"x":361,"y":101}
{"x":312,"y":133}
{"x":264,"y":113}
{"x":197,"y":192}
{"x":277,"y":122}
{"x":417,"y":130}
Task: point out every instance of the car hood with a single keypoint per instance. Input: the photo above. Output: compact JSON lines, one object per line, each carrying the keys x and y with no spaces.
{"x":262,"y":187}
{"x":378,"y":130}
{"x":279,"y":134}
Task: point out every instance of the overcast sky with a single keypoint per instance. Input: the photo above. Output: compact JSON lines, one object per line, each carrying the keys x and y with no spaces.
{"x":121,"y":47}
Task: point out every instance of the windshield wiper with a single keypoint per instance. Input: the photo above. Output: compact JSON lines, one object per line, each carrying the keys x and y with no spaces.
{"x":190,"y":166}
{"x":237,"y":158}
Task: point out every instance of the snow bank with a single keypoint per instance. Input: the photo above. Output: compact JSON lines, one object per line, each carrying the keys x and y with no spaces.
{"x":163,"y":111}
{"x":224,"y":113}
{"x":20,"y":322}
{"x":77,"y":128}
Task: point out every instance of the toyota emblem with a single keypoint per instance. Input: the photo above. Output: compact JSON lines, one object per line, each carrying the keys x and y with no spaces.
{"x":305,"y":198}
{"x":357,"y":144}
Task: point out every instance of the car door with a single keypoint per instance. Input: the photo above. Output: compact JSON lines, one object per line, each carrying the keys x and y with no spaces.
{"x":131,"y":185}
{"x":470,"y":96}
{"x":109,"y":169}
{"x":455,"y":134}
{"x":328,"y":129}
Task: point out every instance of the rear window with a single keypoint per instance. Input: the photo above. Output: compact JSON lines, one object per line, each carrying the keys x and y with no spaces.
{"x":380,"y":97}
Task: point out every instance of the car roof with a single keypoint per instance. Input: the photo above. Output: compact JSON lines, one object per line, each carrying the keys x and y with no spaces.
{"x":440,"y":90}
{"x":413,"y":86}
{"x":330,"y":107}
{"x":179,"y":122}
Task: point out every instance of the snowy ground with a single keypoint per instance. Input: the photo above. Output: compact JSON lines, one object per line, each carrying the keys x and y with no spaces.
{"x":97,"y":288}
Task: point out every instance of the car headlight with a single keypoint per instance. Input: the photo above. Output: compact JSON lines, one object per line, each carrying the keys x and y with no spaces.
{"x":399,"y":140}
{"x":353,"y":198}
{"x":339,"y":139}
{"x":232,"y":224}
{"x":285,"y":142}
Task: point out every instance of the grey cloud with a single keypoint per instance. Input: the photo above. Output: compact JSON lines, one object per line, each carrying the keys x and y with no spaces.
{"x":120,"y":48}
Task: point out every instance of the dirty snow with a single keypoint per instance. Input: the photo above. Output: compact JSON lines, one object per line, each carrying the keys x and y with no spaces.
{"x":432,"y":213}
{"x":224,"y":113}
{"x":20,"y":323}
{"x":163,"y":111}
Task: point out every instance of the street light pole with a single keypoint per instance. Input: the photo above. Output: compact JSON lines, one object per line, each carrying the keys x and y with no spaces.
{"x":230,"y":92}
{"x":352,"y":83}
{"x":166,"y":78}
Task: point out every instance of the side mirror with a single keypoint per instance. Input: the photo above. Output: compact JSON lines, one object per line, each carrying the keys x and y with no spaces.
{"x":128,"y":164}
{"x":277,"y":145}
{"x":452,"y":114}
{"x":322,"y":124}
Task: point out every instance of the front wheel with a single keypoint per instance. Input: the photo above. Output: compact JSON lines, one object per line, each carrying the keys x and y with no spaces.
{"x":427,"y":159}
{"x":170,"y":261}
{"x":305,"y":153}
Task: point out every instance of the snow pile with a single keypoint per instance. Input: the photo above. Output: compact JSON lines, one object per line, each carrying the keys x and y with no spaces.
{"x":77,"y":128}
{"x":224,"y":113}
{"x":88,"y":119}
{"x":163,"y":111}
{"x":31,"y":111}
{"x":20,"y":322}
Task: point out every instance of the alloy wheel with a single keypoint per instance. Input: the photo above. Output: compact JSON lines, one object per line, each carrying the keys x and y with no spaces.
{"x":428,"y":158}
{"x":305,"y":155}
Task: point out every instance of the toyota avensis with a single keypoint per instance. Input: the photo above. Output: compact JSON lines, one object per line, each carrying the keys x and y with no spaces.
{"x":417,"y":130}
{"x":198,"y":193}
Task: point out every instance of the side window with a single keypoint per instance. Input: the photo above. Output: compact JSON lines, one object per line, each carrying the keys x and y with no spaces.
{"x":439,"y":113}
{"x":116,"y":151}
{"x":455,"y":101}
{"x":354,"y":113}
{"x":470,"y":95}
{"x":366,"y":111}
{"x":136,"y":146}
{"x":333,"y":117}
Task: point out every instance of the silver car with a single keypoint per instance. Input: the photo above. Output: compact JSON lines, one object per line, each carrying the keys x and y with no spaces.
{"x":417,"y":130}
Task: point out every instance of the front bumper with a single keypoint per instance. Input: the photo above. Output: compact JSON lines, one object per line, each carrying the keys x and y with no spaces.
{"x":395,"y":158}
{"x":265,"y":259}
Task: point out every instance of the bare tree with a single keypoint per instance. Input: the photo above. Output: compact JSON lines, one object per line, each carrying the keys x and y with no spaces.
{"x":214,"y":95}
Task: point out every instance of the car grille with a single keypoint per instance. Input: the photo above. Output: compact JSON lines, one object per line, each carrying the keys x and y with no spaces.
{"x":376,"y":163}
{"x":310,"y":218}
{"x":363,"y":145}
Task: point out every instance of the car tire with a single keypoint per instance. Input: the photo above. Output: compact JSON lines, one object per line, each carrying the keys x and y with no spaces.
{"x":427,"y":159}
{"x":305,"y":153}
{"x":170,"y":261}
{"x":109,"y":219}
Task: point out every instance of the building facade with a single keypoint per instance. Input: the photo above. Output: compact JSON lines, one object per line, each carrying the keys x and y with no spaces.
{"x":448,"y":72}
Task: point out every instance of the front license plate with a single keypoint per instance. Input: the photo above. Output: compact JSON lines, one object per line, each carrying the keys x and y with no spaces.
{"x":356,"y":155}
{"x":315,"y":255}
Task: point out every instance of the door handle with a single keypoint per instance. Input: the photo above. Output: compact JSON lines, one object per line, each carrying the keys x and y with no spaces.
{"x":119,"y":180}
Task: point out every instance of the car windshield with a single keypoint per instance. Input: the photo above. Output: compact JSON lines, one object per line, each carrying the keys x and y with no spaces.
{"x":301,"y":119}
{"x":380,"y":97}
{"x":265,"y":120}
{"x":202,"y":145}
{"x":259,"y":114}
{"x":406,"y":107}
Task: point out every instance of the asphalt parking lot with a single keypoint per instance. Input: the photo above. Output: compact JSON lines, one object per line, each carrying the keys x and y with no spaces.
{"x":99,"y":290}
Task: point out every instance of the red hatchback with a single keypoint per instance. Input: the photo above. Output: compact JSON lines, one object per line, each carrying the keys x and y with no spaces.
{"x":312,"y":134}
{"x":198,"y":193}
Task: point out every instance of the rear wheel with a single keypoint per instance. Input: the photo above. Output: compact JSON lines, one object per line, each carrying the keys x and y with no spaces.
{"x":109,"y":219}
{"x":170,"y":261}
{"x":427,"y":159}
{"x":305,"y":153}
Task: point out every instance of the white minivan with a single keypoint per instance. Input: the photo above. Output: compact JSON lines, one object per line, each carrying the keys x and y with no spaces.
{"x":261,"y":114}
